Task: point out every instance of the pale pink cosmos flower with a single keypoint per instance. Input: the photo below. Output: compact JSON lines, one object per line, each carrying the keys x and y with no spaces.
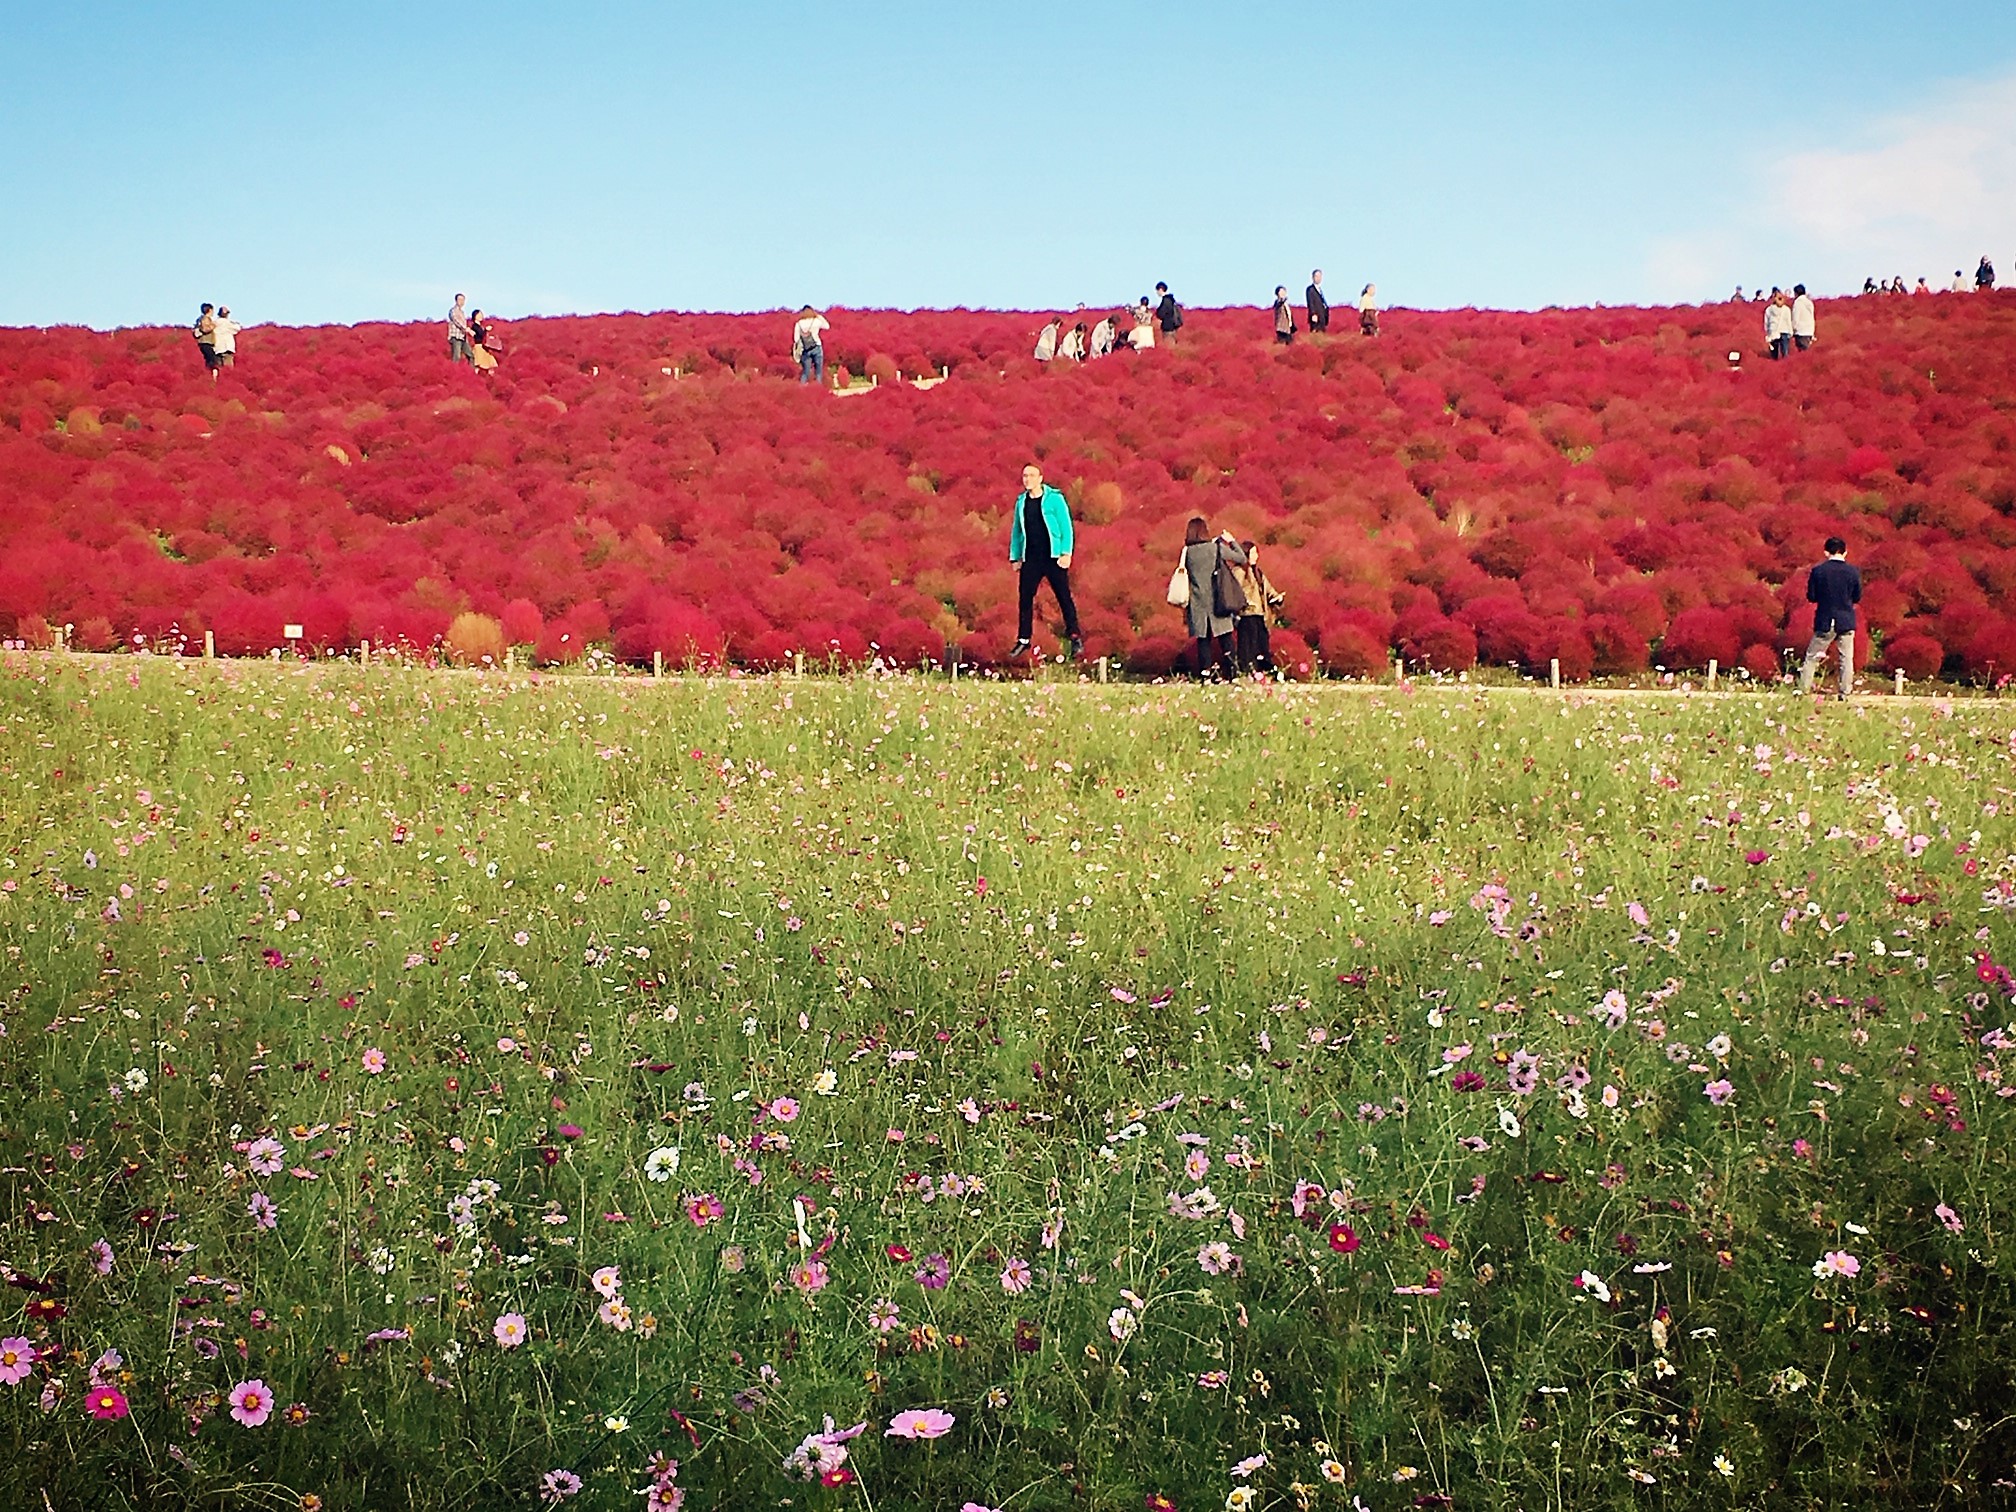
{"x":251,"y":1403}
{"x":608,"y":1281}
{"x":1837,"y":1263}
{"x":883,"y":1316}
{"x":784,"y":1109}
{"x":1216,"y":1258}
{"x":266,"y":1156}
{"x":1016,"y":1276}
{"x":509,"y":1330}
{"x":1947,"y":1216}
{"x":1195,"y":1164}
{"x":373,"y":1060}
{"x":1719,"y":1091}
{"x":101,"y":1257}
{"x":263,"y":1212}
{"x":615,"y":1313}
{"x":920,"y":1423}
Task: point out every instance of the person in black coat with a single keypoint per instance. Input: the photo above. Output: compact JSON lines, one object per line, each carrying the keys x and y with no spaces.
{"x":1319,"y":306}
{"x":1833,"y":589}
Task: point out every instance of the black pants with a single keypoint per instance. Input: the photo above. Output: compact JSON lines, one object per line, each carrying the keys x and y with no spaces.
{"x":1059,"y":578}
{"x":1255,"y":653}
{"x":1213,"y":652}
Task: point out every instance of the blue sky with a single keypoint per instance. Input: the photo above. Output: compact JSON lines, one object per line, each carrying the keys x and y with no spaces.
{"x":325,"y":162}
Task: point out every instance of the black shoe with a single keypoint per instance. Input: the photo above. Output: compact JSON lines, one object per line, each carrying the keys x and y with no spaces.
{"x":1017,"y":649}
{"x":1074,"y":648}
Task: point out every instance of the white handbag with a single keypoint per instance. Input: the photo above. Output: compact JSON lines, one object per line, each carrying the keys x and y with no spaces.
{"x":1179,"y":586}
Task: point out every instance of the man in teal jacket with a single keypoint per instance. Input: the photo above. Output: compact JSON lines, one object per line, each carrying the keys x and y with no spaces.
{"x":1039,"y":542}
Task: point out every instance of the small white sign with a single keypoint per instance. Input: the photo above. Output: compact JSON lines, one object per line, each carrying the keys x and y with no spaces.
{"x":292,"y":632}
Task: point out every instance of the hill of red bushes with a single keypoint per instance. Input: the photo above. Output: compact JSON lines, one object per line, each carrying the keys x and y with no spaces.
{"x":1596,"y":486}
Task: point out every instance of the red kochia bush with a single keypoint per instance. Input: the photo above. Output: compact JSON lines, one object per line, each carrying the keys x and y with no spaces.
{"x":1918,"y":657}
{"x":1698,"y":636}
{"x":1443,"y":644}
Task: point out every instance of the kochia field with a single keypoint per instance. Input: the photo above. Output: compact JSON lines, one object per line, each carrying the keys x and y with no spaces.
{"x":1596,"y":486}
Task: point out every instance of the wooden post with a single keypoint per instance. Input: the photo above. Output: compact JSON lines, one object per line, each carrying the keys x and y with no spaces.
{"x":1711,"y":674}
{"x":797,"y":663}
{"x":1554,"y":672}
{"x":1900,"y":682}
{"x":1399,"y":669}
{"x":364,"y":650}
{"x":209,"y":645}
{"x":510,"y":658}
{"x":657,"y":663}
{"x":1102,"y":669}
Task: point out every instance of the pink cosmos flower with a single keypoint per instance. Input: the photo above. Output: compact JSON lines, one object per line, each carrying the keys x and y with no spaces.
{"x":1343,"y":1238}
{"x":1015,"y":1276}
{"x":17,"y":1360}
{"x":1837,"y":1263}
{"x":608,"y":1281}
{"x":704,"y":1209}
{"x":263,"y":1212}
{"x":784,"y":1109}
{"x":882,"y":1316}
{"x":1719,"y":1091}
{"x":101,"y":1257}
{"x":810,"y":1277}
{"x":1757,"y":857}
{"x":266,"y":1156}
{"x":107,"y":1403}
{"x":373,"y":1060}
{"x":558,"y":1485}
{"x":1216,"y":1258}
{"x":509,"y":1330}
{"x":1947,"y":1216}
{"x":920,"y":1423}
{"x":251,"y":1403}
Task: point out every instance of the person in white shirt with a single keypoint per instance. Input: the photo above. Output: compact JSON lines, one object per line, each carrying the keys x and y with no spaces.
{"x":807,"y":347}
{"x":1142,"y":336}
{"x":1046,"y":341}
{"x":458,"y":329}
{"x":1959,"y":284}
{"x":1778,"y":325}
{"x":1072,"y":347}
{"x":226,"y":339}
{"x":1802,"y":317}
{"x":1103,"y":338}
{"x":1368,"y":310}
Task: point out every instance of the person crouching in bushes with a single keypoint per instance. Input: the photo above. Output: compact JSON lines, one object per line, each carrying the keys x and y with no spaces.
{"x":1263,"y":610}
{"x":1216,"y":600}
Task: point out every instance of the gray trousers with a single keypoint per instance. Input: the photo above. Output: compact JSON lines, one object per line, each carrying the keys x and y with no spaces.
{"x":1816,"y":653}
{"x":458,"y":349}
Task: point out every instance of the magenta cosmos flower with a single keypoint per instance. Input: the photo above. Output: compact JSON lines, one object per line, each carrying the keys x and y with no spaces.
{"x":251,"y":1403}
{"x":106,"y":1403}
{"x":920,"y":1423}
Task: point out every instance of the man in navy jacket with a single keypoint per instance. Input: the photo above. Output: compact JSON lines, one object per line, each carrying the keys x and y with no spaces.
{"x":1833,"y":589}
{"x":1039,"y":542}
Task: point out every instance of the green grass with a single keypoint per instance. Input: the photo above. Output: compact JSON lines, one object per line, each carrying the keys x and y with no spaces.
{"x":1044,"y":931}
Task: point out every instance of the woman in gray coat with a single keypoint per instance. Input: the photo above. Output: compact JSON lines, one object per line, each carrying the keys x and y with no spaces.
{"x":1212,"y":620}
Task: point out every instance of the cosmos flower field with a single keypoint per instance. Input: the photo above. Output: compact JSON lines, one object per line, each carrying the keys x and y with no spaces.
{"x":471,"y":1091}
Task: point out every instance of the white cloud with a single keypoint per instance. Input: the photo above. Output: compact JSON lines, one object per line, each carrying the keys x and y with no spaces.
{"x":1925,"y":189}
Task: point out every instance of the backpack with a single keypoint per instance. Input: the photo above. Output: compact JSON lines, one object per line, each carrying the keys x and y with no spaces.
{"x":1175,"y":316}
{"x":1227,"y":597}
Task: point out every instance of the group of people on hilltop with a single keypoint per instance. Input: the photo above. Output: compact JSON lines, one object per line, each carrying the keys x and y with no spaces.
{"x":1789,"y":322}
{"x":1984,"y":282}
{"x":1317,"y":303}
{"x":1143,"y":323}
{"x":471,"y":338}
{"x":216,"y":336}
